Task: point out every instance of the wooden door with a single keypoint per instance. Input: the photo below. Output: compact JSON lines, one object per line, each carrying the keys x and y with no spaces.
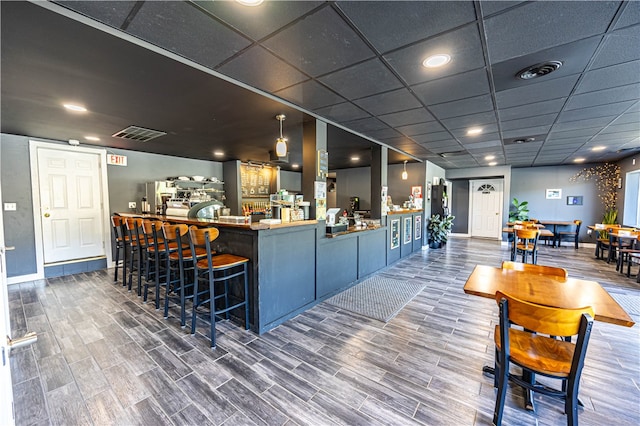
{"x":70,"y":203}
{"x":486,"y":208}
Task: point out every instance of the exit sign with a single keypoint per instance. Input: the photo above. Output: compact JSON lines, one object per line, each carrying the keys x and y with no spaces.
{"x":116,"y":160}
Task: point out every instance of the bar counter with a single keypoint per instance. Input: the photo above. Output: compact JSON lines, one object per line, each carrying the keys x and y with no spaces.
{"x":294,"y":266}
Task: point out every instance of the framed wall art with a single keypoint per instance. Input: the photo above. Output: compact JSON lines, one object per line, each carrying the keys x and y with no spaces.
{"x":553,"y":194}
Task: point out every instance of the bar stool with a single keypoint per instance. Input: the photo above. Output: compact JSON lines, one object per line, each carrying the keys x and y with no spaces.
{"x":155,"y":258}
{"x":117,"y":223}
{"x":180,"y":265}
{"x":217,"y":274}
{"x":137,"y":246}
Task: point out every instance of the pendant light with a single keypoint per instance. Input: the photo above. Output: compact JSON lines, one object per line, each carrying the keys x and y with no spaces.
{"x":281,"y":142}
{"x":405,"y":176}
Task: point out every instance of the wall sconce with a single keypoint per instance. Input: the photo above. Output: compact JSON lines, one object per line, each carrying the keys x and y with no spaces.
{"x":405,"y":175}
{"x":281,"y":142}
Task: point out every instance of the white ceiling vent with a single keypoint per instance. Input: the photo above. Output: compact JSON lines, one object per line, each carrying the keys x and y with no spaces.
{"x":138,"y":134}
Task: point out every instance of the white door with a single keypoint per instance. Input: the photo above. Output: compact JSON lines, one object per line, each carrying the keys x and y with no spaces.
{"x":486,"y":208}
{"x":70,"y":204}
{"x":6,"y":401}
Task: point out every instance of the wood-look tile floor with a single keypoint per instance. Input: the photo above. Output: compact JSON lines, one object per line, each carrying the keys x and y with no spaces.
{"x":103,"y":357}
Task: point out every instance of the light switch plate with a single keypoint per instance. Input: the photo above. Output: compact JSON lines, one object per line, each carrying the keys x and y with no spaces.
{"x":10,"y":207}
{"x":132,"y":204}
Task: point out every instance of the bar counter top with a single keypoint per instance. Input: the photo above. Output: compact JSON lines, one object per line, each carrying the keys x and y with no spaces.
{"x":404,"y":211}
{"x":204,"y":222}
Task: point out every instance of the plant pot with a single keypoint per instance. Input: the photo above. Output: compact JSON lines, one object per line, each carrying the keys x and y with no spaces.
{"x":434,"y":245}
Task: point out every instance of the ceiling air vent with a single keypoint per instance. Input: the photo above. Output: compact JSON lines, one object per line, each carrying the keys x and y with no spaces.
{"x":539,"y":70}
{"x":136,"y":133}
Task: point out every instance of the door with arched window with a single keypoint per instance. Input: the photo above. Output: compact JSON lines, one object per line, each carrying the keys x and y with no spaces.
{"x":486,"y":208}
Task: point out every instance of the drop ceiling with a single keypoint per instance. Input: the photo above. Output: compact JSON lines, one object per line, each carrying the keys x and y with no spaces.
{"x":213,"y":75}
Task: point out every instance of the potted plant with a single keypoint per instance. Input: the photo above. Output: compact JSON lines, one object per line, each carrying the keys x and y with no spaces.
{"x":438,"y":230}
{"x":521,"y":211}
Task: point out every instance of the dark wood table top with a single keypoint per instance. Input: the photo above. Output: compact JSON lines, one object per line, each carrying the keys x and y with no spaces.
{"x":547,"y":290}
{"x":556,"y":222}
{"x":543,"y":232}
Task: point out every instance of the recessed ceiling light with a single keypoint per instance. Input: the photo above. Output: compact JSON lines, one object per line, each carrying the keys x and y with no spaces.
{"x":295,"y":166}
{"x":250,"y":2}
{"x":578,"y":160}
{"x":75,"y":108}
{"x":355,"y":158}
{"x":490,"y":157}
{"x":539,"y":70}
{"x":493,"y":163}
{"x":598,"y":148}
{"x":218,"y":153}
{"x":438,"y":60}
{"x":92,"y":138}
{"x":474,"y":131}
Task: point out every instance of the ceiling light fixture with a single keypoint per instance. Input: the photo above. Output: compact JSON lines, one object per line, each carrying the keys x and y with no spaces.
{"x":250,"y":3}
{"x":92,"y":138}
{"x":598,"y":148}
{"x":281,"y":142}
{"x":218,"y":153}
{"x":474,"y":131}
{"x":579,"y":160}
{"x":75,"y":108}
{"x":435,"y":61}
{"x":355,"y":158}
{"x":295,"y":166}
{"x":493,"y":163}
{"x":490,"y":157}
{"x":538,"y":70}
{"x":405,"y":175}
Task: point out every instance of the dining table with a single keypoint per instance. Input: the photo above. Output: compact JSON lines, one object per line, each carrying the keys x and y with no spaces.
{"x":547,"y":290}
{"x":555,"y":224}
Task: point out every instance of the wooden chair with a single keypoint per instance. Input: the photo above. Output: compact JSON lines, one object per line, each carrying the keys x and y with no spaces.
{"x":602,"y":243}
{"x":135,"y":242}
{"x":536,"y":269}
{"x":221,"y":282}
{"x":628,"y":255}
{"x":180,"y":264}
{"x":532,"y":349}
{"x":525,"y":242}
{"x":155,"y":258}
{"x":119,"y":237}
{"x":573,"y":234}
{"x":614,"y":244}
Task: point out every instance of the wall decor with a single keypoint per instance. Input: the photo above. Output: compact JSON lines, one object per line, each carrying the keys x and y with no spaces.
{"x":554,"y":194}
{"x":395,"y":233}
{"x":418,"y":226}
{"x":428,"y":191}
{"x":574,"y":200}
{"x":407,"y":230}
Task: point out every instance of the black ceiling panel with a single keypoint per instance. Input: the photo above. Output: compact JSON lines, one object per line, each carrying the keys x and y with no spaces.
{"x":603,"y":97}
{"x":362,"y":79}
{"x":409,"y":21}
{"x":542,"y":91}
{"x":112,"y":13}
{"x":463,"y":45}
{"x":402,"y":118}
{"x":187,"y":31}
{"x":244,"y":68}
{"x":613,"y":76}
{"x":462,"y":107}
{"x":258,"y":22}
{"x":310,"y":93}
{"x":354,"y":64}
{"x":319,"y":44}
{"x":459,"y":86}
{"x":388,"y":102}
{"x":619,"y":47}
{"x":540,"y":25}
{"x":532,"y":109}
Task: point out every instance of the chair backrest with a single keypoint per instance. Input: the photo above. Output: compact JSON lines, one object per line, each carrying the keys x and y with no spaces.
{"x":527,"y":234}
{"x":173,"y":231}
{"x":117,"y":223}
{"x":132,"y":226}
{"x":202,"y":236}
{"x":536,"y":269}
{"x":150,"y":229}
{"x":544,"y":319}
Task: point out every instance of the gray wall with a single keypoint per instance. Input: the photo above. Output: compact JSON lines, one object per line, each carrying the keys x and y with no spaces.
{"x":353,"y":182}
{"x":127,"y":183}
{"x":15,"y":174}
{"x":460,"y":206}
{"x":530,"y":184}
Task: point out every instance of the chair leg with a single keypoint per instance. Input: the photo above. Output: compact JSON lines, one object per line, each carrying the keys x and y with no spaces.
{"x":503,"y":371}
{"x":115,"y":275}
{"x":246,"y":298}
{"x":571,"y":403}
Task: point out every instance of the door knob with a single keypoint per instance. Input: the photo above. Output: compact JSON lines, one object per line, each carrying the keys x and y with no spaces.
{"x":47,"y":214}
